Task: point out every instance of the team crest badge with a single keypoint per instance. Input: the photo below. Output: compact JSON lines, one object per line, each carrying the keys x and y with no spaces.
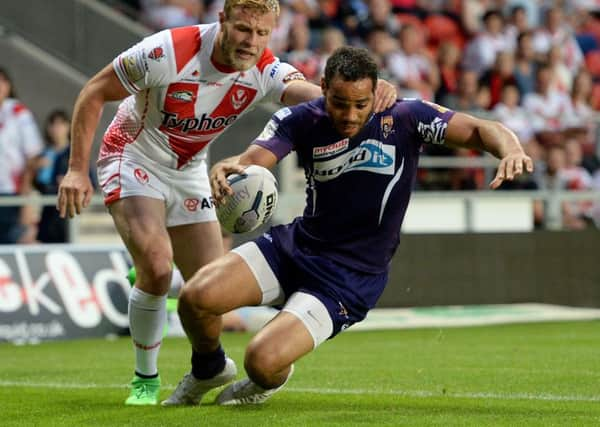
{"x":387,"y":123}
{"x":157,"y":53}
{"x":141,"y":176}
{"x":239,"y":98}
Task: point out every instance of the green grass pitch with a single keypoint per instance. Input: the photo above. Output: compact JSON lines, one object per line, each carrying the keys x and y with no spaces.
{"x":513,"y":375}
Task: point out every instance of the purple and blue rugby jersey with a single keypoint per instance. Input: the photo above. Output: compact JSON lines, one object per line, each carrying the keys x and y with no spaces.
{"x":357,"y":188}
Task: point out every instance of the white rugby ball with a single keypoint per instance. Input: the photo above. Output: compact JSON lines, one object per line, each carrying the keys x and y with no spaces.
{"x":253,"y":200}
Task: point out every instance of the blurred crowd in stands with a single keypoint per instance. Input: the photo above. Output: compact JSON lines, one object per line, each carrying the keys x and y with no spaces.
{"x":30,"y":161}
{"x":533,"y":65}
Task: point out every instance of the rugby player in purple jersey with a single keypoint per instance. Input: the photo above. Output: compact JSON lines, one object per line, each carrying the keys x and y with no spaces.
{"x":328,"y":267}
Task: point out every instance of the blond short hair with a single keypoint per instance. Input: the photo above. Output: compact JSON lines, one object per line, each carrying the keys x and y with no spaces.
{"x":264,"y":6}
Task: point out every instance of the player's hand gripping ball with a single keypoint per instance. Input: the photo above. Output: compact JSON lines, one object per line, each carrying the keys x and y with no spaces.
{"x":253,"y":201}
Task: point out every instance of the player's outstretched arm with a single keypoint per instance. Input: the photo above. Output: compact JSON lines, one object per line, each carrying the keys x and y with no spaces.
{"x":75,"y":190}
{"x":302,"y":91}
{"x":495,"y":138}
{"x":254,"y":155}
{"x":299,"y":91}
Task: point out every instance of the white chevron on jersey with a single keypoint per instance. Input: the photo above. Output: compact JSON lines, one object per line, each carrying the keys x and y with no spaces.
{"x":182,"y":100}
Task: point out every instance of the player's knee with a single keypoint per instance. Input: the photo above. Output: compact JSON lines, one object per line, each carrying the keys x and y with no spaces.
{"x":153,"y":271}
{"x":262,"y":363}
{"x":199,"y":295}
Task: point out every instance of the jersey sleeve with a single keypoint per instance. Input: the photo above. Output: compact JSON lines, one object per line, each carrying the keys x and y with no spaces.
{"x":276,"y":76}
{"x":278,"y":134}
{"x":150,"y":63}
{"x":430,"y":121}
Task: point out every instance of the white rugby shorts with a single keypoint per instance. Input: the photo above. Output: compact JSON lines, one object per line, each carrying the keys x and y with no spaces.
{"x":306,"y":307}
{"x":186,"y":193}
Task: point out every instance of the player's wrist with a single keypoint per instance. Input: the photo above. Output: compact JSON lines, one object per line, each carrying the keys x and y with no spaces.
{"x":79,"y":168}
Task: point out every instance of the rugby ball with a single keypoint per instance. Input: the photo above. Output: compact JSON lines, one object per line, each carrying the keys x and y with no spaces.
{"x":253,"y":200}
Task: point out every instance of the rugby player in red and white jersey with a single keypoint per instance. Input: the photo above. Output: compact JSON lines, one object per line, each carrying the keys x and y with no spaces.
{"x":181,"y":88}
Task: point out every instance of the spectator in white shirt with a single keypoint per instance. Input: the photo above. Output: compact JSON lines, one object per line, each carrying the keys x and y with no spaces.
{"x":548,"y":107}
{"x":518,"y":23}
{"x":481,"y":52}
{"x":557,"y":32}
{"x":513,"y":116}
{"x":415,"y":73}
{"x":20,"y":143}
{"x":562,"y":77}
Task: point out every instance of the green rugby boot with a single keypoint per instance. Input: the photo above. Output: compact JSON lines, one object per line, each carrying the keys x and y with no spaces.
{"x":144,"y":391}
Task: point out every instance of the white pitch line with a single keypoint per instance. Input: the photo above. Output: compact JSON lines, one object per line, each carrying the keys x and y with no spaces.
{"x":344,"y":391}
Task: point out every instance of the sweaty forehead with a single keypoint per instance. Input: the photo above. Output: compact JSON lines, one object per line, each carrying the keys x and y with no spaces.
{"x":253,"y":17}
{"x":350,"y":91}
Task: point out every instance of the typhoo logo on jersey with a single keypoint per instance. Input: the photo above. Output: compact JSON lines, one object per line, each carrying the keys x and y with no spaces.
{"x":434,"y":132}
{"x":371,"y":156}
{"x":202,"y":123}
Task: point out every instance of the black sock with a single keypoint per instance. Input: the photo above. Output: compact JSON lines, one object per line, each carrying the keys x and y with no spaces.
{"x":146,"y":377}
{"x":207,"y":365}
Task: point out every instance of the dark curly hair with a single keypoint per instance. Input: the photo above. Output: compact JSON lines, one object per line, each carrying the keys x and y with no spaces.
{"x":351,"y":64}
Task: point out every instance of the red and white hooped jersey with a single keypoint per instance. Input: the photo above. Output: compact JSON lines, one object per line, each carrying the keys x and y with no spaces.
{"x":182,"y":100}
{"x":20,"y":141}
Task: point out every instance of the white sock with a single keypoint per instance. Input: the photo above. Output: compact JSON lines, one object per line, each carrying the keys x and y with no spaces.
{"x":147,"y":317}
{"x":177,"y":283}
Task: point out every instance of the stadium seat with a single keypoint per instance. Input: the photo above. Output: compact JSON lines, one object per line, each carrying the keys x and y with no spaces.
{"x":441,"y":28}
{"x":408,"y":18}
{"x":592,"y":62}
{"x":596,"y":96}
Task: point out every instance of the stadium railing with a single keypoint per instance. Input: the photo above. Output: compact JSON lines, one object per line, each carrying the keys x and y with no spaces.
{"x":468,"y":205}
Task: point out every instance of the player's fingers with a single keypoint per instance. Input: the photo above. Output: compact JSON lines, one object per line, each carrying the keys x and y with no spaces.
{"x":528,"y":164}
{"x":71,"y":203}
{"x":389,"y":101}
{"x":509,"y":174}
{"x":61,"y":203}
{"x":223,"y":184}
{"x":500,"y":175}
{"x":215,"y":188}
{"x":217,"y":201}
{"x":377,"y":106}
{"x":497,"y":182}
{"x":383,"y":102}
{"x":239,"y":169}
{"x":518,"y":168}
{"x":221,"y":190}
{"x":87,"y":197}
{"x":79,"y":202}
